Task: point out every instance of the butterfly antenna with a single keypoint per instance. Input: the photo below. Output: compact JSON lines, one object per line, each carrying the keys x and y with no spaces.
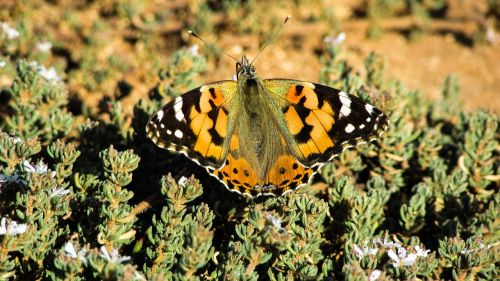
{"x":272,"y":38}
{"x":212,"y":46}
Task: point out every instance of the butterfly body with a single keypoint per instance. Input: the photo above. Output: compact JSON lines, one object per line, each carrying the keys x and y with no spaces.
{"x":264,"y":136}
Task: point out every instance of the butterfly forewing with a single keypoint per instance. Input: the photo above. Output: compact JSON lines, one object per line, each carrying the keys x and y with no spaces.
{"x":195,"y":124}
{"x":323,"y":121}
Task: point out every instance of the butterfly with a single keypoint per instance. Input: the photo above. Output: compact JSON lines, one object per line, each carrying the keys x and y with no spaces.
{"x":264,"y":137}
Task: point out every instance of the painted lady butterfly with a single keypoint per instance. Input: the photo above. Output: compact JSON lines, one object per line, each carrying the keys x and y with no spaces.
{"x":264,"y":136}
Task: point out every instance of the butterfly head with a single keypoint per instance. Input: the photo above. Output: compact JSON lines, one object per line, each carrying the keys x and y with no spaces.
{"x":245,"y":69}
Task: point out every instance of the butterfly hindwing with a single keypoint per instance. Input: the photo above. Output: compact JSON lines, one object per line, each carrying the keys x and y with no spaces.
{"x":285,"y":174}
{"x":323,"y":121}
{"x":195,"y":124}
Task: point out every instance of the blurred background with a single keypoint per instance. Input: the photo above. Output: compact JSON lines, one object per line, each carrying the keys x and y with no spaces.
{"x":111,"y":47}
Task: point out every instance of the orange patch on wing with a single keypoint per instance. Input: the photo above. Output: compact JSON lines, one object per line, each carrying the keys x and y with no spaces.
{"x":219,"y":97}
{"x":293,"y":119}
{"x":326,"y":119}
{"x":292,"y":96}
{"x":238,"y":174}
{"x":234,"y":143}
{"x":214,"y":151}
{"x":205,"y":105}
{"x":208,"y":99}
{"x":318,"y":134}
{"x":313,"y":149}
{"x":284,"y":170}
{"x":311,"y":98}
{"x":327,"y":108}
{"x":304,"y":149}
{"x":196,"y":120}
{"x":311,"y":101}
{"x":201,"y":126}
{"x":283,"y":141}
{"x":221,"y":125}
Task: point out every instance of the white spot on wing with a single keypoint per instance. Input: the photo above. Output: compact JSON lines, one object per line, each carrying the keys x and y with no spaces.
{"x":178,"y":109}
{"x":368,"y":119}
{"x":159,"y":115}
{"x":361,"y":126}
{"x":369,"y":108}
{"x":169,"y":132}
{"x":345,"y":110}
{"x":349,"y":128}
{"x":162,"y":126}
{"x":178,"y":134}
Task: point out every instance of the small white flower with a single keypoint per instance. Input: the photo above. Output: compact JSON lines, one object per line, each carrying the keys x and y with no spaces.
{"x":481,"y":246}
{"x":401,"y":252}
{"x":409,"y":260}
{"x":365,"y":251}
{"x":394,"y":257}
{"x":182,"y":181}
{"x":34,"y":64}
{"x":71,"y":252}
{"x":359,"y":252}
{"x":492,"y":37}
{"x":13,"y":228}
{"x":39,"y":168}
{"x":421,"y":252}
{"x":114,"y":257}
{"x":335,"y":40}
{"x":375,"y":275}
{"x":193,"y":49}
{"x":401,"y":258}
{"x":43,"y":46}
{"x":387,"y":243}
{"x":372,"y":251}
{"x":274,"y":221}
{"x":2,"y":64}
{"x":12,"y":33}
{"x":49,"y":74}
{"x":59,"y":192}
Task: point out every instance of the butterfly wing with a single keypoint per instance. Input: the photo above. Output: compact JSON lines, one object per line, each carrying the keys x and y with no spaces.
{"x":320,"y":121}
{"x":284,"y":174}
{"x":315,"y":124}
{"x":196,"y":124}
